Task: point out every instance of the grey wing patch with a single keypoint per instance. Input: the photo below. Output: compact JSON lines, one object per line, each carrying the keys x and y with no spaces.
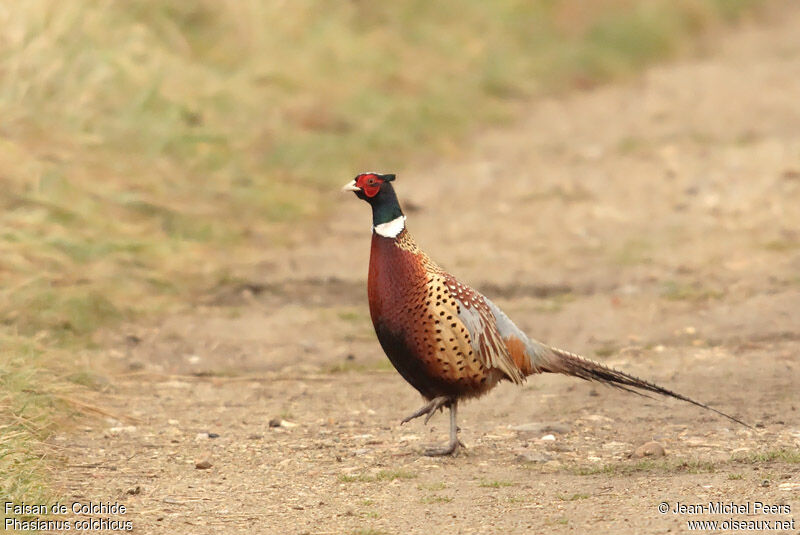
{"x":475,"y":312}
{"x":537,"y":352}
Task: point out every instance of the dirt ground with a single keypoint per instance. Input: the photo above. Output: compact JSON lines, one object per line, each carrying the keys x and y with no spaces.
{"x":653,"y":225}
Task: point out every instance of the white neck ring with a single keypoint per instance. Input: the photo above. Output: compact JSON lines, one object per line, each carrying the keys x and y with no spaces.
{"x":392,"y":228}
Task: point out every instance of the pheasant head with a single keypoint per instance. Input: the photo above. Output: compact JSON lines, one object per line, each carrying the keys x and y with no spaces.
{"x":387,"y":217}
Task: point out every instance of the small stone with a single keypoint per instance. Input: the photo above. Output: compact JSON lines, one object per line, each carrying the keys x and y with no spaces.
{"x":279,"y":422}
{"x":765,"y":483}
{"x":548,"y":438}
{"x":213,"y":435}
{"x":649,"y":449}
{"x":134,"y":490}
{"x":203,"y":464}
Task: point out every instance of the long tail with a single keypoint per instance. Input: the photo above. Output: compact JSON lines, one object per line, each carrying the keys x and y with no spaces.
{"x":560,"y":361}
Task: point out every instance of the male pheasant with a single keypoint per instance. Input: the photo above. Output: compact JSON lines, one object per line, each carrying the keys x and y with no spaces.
{"x":446,"y":339}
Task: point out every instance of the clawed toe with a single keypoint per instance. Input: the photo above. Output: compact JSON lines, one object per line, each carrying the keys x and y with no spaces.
{"x":450,"y":449}
{"x":440,"y":452}
{"x":428,"y":409}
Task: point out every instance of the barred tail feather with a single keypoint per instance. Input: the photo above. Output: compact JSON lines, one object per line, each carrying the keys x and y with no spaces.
{"x":560,"y":361}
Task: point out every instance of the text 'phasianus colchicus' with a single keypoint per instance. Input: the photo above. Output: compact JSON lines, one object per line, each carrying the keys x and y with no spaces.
{"x":446,"y":339}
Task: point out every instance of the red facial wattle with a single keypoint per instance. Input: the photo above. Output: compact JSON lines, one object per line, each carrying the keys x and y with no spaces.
{"x":370,"y":184}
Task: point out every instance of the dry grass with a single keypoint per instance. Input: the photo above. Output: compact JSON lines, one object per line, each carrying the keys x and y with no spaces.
{"x":144,"y":144}
{"x":27,"y":404}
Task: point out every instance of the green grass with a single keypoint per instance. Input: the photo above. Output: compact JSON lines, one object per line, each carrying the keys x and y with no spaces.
{"x":791,"y":456}
{"x":495,"y":484}
{"x":692,"y":466}
{"x":430,"y":500}
{"x":624,"y":468}
{"x":432,"y":486}
{"x":151,"y":150}
{"x":575,"y":497}
{"x":383,"y":475}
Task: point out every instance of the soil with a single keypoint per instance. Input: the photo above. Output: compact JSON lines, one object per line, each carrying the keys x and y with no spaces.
{"x":653,"y":225}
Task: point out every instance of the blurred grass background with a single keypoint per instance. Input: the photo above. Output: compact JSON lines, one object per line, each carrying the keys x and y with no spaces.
{"x":148,"y":147}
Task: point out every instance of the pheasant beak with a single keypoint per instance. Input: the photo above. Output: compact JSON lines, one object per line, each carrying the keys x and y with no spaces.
{"x":351,"y":186}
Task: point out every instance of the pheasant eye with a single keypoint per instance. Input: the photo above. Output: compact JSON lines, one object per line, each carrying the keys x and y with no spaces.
{"x":369,"y":183}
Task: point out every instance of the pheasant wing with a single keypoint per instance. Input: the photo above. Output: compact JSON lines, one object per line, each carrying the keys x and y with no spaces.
{"x":465,"y":317}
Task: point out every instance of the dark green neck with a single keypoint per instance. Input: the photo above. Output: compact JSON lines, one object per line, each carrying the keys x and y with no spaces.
{"x":385,"y":206}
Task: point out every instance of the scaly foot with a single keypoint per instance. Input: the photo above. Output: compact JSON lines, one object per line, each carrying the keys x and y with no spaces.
{"x":450,"y":449}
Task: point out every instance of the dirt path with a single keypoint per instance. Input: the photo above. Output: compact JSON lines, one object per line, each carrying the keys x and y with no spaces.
{"x":653,"y":225}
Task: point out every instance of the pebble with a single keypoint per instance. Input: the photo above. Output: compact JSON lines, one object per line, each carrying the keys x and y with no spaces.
{"x":203,"y":464}
{"x":649,"y":449}
{"x":278,"y":422}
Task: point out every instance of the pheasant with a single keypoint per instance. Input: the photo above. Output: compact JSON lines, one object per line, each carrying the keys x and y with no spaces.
{"x":446,"y":339}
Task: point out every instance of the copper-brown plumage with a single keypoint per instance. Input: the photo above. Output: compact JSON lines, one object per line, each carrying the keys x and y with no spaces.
{"x":445,"y":338}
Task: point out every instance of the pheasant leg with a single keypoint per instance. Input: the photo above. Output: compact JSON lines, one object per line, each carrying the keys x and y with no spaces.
{"x":453,"y":445}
